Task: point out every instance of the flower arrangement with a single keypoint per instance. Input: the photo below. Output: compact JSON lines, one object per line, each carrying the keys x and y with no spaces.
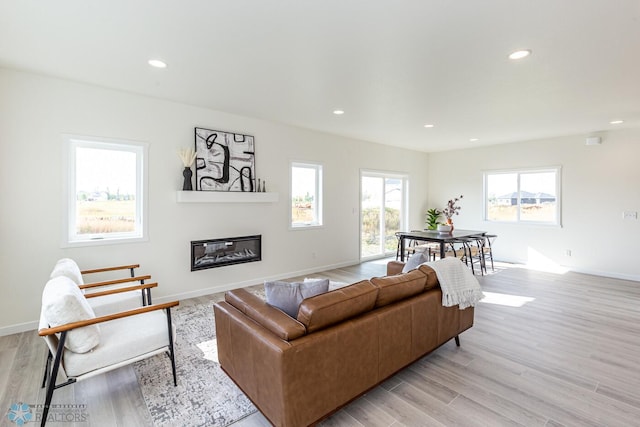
{"x":188,"y":155}
{"x":451,"y":208}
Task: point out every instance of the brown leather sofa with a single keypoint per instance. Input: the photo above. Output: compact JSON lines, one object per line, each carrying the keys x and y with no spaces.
{"x":342,"y":344}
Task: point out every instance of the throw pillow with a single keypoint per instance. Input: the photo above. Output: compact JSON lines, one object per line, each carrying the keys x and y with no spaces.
{"x":288,"y":296}
{"x":415,"y":261}
{"x":62,"y":303}
{"x":332,"y":285}
{"x":67,"y":267}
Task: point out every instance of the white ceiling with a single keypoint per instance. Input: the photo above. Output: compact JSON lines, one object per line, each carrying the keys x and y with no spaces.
{"x":392,"y":65}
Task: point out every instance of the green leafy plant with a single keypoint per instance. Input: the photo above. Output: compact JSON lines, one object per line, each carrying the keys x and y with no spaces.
{"x":433,"y":215}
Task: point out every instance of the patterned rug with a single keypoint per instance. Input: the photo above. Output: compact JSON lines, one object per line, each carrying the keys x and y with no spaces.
{"x":205,"y":396}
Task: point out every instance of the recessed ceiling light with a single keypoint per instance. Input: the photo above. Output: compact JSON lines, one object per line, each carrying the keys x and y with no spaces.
{"x":616,"y":122}
{"x":473,"y":139}
{"x":157,"y":63}
{"x":338,"y":112}
{"x":429,"y":126}
{"x":519,"y":54}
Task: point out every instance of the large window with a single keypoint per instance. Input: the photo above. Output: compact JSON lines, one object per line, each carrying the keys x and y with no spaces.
{"x":105,"y":191}
{"x":306,"y":195}
{"x":523,"y":195}
{"x":383,"y":212}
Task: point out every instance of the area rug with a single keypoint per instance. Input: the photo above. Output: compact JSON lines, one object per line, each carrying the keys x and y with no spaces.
{"x":205,"y":396}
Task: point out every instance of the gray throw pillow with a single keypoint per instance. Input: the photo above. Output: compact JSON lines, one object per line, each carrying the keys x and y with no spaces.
{"x":415,"y":261}
{"x":288,"y":296}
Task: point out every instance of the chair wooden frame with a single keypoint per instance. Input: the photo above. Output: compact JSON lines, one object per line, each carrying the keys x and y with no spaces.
{"x":52,"y":364}
{"x":146,"y":293}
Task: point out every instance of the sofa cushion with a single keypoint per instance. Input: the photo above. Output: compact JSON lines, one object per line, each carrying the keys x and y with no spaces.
{"x":333,"y":307}
{"x":415,"y":261}
{"x":288,"y":296}
{"x":62,"y":303}
{"x":399,"y":287}
{"x":432,"y":278}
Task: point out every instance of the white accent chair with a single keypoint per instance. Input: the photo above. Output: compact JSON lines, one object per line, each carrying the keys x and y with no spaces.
{"x":82,"y":345}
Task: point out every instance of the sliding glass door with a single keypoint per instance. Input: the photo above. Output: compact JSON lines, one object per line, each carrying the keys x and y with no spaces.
{"x":383,"y":204}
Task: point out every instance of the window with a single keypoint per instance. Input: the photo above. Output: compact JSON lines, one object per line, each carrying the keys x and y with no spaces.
{"x":306,"y":195}
{"x":105,"y":191}
{"x":383,"y":208}
{"x":523,"y":196}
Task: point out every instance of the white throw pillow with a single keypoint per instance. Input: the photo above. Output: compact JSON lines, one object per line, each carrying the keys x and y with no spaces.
{"x":62,"y":303}
{"x":415,"y":261}
{"x":67,"y":267}
{"x":288,"y":296}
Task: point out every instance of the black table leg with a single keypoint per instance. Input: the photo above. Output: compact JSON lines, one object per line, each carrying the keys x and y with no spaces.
{"x":402,"y":248}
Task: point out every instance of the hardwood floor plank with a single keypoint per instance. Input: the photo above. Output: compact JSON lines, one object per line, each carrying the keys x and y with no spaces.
{"x":399,"y":408}
{"x":368,"y":414}
{"x":480,"y":415}
{"x":342,"y":419}
{"x":478,"y":393}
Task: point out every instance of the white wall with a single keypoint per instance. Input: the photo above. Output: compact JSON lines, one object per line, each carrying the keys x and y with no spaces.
{"x":598,"y":184}
{"x":35,"y":111}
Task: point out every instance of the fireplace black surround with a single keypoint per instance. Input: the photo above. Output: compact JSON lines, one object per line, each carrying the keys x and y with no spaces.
{"x":220,"y":252}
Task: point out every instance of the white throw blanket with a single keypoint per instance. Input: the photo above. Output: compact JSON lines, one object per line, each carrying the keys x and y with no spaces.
{"x":458,"y":284}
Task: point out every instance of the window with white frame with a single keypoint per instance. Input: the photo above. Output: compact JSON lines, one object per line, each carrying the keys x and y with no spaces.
{"x":523,"y":196}
{"x":306,"y":195}
{"x":106,"y":195}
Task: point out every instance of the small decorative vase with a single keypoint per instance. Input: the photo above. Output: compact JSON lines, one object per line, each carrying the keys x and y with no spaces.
{"x":450,"y":223}
{"x":186,"y":173}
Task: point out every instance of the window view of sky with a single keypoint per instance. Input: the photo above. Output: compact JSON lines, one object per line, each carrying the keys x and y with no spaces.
{"x":100,"y":170}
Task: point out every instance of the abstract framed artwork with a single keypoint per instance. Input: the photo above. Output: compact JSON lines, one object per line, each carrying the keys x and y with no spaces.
{"x":225,"y":161}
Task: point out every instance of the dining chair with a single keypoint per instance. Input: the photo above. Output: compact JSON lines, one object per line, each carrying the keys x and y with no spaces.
{"x":82,"y":345}
{"x":463,"y":252}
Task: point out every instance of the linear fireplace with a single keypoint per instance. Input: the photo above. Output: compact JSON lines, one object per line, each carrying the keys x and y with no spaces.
{"x":220,"y":252}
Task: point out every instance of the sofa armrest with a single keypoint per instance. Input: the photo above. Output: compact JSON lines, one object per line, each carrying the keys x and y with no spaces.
{"x":274,"y":320}
{"x":394,"y":267}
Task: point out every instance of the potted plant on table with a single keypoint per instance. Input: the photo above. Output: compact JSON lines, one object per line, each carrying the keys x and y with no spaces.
{"x":450,"y":210}
{"x":433,"y":215}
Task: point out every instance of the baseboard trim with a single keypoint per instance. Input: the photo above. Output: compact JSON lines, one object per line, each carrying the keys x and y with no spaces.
{"x":33,"y":325}
{"x":18,"y":328}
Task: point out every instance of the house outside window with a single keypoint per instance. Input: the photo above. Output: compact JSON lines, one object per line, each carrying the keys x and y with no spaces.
{"x":106,"y":191}
{"x":529,"y":196}
{"x":306,"y":195}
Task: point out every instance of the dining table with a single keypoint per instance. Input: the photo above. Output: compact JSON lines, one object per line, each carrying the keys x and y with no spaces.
{"x":435,"y":236}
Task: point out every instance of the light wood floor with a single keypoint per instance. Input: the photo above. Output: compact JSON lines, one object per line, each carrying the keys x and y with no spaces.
{"x":547,"y":350}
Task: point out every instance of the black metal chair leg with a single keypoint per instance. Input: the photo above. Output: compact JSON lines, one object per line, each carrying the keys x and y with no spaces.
{"x":171,"y":351}
{"x":52,"y":378}
{"x":457,"y":338}
{"x":46,"y":368}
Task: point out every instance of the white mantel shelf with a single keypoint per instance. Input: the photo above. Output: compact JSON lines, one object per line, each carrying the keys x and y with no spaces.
{"x":224,"y":197}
